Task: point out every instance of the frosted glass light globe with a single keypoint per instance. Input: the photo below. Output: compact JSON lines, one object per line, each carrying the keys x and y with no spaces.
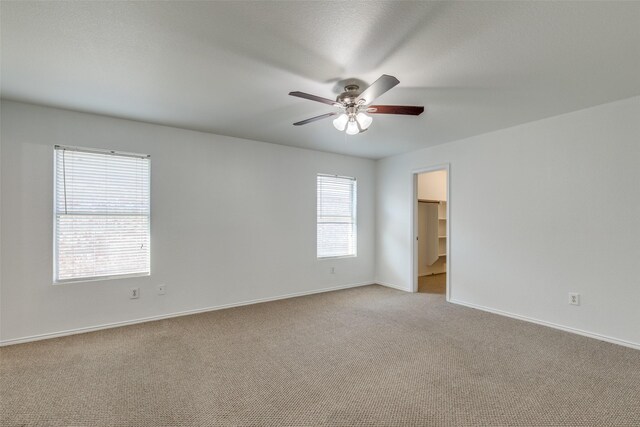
{"x":352,"y":128}
{"x":341,"y":122}
{"x":364,"y":120}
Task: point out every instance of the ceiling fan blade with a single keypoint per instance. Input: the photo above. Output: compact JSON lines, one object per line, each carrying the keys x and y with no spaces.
{"x":395,"y":109}
{"x":313,"y":119}
{"x":314,"y":98}
{"x":377,"y":88}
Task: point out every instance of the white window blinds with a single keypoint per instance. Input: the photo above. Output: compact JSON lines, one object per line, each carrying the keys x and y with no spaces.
{"x":102,"y":214}
{"x":337,"y":229}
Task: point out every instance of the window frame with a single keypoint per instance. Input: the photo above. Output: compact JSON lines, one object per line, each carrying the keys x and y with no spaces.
{"x":56,"y":280}
{"x":354,"y":216}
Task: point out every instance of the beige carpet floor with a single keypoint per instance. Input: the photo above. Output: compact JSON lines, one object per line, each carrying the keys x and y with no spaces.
{"x":363,"y":356}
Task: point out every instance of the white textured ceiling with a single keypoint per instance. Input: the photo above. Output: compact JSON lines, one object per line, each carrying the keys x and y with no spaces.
{"x":227,"y":67}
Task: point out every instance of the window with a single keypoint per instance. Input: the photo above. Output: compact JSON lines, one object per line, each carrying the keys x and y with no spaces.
{"x":336,"y":216}
{"x":102,"y":214}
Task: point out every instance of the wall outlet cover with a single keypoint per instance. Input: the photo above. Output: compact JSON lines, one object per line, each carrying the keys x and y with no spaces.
{"x":162,"y":289}
{"x":574,"y":299}
{"x":134,"y":293}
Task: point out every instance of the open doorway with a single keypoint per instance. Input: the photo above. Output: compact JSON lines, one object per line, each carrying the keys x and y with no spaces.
{"x":431,"y":228}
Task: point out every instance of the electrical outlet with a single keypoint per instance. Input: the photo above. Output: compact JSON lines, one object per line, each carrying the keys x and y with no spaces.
{"x":574,"y":299}
{"x":162,"y":289}
{"x":333,"y":270}
{"x":134,"y":293}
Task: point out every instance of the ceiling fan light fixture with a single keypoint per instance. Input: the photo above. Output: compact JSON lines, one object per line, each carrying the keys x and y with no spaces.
{"x":363,"y":120}
{"x":340,"y":122}
{"x":352,"y":128}
{"x":354,"y":104}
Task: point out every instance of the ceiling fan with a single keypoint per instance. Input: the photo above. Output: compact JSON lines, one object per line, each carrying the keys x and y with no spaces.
{"x":354,"y":105}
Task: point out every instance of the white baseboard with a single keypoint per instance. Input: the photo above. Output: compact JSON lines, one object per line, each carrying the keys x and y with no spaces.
{"x":390,"y":285}
{"x":549,"y":324}
{"x":170,"y":315}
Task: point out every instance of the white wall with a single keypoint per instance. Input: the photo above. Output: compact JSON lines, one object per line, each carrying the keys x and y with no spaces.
{"x":232,"y":221}
{"x":537,"y":211}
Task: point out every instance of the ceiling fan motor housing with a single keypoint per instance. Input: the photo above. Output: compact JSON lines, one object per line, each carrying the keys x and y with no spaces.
{"x":349,"y":96}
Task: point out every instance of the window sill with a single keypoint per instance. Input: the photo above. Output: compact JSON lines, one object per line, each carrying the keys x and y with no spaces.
{"x":100,"y":278}
{"x":337,"y":257}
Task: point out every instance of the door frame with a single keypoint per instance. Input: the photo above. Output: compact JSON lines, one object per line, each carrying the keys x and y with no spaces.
{"x":414,"y":224}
